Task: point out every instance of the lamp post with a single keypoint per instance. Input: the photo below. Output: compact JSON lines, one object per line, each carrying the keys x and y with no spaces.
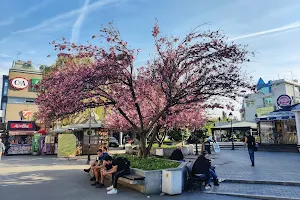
{"x":220,"y":128}
{"x":90,"y":131}
{"x":232,"y":139}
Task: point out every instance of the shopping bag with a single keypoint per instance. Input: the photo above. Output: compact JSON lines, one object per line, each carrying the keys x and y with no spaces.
{"x":216,"y":147}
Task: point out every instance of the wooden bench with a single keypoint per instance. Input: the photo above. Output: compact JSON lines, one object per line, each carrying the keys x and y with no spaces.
{"x":132,"y":179}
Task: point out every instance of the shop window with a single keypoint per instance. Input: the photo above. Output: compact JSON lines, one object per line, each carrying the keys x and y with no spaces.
{"x":20,"y":100}
{"x":250,"y":103}
{"x":16,"y":100}
{"x":268,"y":102}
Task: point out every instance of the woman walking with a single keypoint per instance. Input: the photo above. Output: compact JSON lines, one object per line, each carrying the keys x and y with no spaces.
{"x":2,"y":148}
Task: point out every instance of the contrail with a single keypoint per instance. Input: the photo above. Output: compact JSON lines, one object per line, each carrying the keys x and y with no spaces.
{"x":77,"y":26}
{"x":275,"y":30}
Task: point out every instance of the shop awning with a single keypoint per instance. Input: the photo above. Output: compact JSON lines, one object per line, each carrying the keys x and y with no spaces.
{"x":296,"y":108}
{"x":275,"y":116}
{"x":77,"y":127}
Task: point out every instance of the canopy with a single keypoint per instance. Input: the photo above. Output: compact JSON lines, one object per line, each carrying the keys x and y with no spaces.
{"x":242,"y":125}
{"x":42,"y":131}
{"x":273,"y":116}
{"x":281,"y":114}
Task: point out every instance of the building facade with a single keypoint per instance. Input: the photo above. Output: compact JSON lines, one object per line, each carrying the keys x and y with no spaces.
{"x":17,"y":103}
{"x":265,"y":99}
{"x":18,"y":95}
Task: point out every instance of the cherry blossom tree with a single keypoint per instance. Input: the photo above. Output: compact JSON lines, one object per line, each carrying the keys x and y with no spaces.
{"x":185,"y":77}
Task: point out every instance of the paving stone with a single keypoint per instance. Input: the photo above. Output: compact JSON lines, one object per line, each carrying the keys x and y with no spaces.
{"x":258,"y":190}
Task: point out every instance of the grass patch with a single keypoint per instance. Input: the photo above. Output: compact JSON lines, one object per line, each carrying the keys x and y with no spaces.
{"x":150,"y":163}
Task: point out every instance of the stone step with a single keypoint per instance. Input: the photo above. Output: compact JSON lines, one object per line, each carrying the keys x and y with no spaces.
{"x":257,"y":191}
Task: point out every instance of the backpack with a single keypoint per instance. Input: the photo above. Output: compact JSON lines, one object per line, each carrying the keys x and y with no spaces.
{"x":125,"y":161}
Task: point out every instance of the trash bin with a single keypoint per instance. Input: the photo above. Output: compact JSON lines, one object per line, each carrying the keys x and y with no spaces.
{"x":185,"y":150}
{"x":172,"y":181}
{"x":207,"y":147}
{"x":191,"y":149}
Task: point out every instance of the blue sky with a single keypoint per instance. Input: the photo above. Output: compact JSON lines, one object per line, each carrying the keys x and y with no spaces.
{"x":269,"y":27}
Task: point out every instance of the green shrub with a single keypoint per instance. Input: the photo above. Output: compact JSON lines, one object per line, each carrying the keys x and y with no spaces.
{"x":150,"y":163}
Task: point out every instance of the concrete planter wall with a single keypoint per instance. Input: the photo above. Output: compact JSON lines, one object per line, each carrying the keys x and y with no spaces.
{"x":153,"y":180}
{"x":166,"y":152}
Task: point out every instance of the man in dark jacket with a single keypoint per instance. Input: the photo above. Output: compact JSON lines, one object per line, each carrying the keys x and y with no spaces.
{"x":250,"y":142}
{"x":203,"y":166}
{"x":177,"y":154}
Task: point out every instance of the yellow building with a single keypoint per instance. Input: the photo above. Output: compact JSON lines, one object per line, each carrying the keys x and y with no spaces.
{"x":17,"y":103}
{"x":20,"y":94}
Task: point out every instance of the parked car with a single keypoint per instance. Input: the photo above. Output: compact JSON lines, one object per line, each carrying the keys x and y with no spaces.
{"x":113,"y":142}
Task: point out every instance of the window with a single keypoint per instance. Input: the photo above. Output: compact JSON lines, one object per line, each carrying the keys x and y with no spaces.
{"x":268,"y":102}
{"x":20,"y":100}
{"x":16,"y":100}
{"x":30,"y":100}
{"x":265,"y":90}
{"x":250,"y":103}
{"x":5,"y":88}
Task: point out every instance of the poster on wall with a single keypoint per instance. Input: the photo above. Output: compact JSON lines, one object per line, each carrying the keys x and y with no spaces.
{"x":16,"y":149}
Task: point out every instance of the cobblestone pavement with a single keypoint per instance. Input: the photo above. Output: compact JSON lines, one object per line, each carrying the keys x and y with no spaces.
{"x":48,"y":178}
{"x":269,"y":166}
{"x":258,"y":190}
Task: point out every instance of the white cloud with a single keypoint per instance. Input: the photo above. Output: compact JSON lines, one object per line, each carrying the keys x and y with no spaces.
{"x":23,"y":14}
{"x":67,"y":15}
{"x":275,"y":30}
{"x":77,"y":26}
{"x":2,"y":55}
{"x":30,"y":52}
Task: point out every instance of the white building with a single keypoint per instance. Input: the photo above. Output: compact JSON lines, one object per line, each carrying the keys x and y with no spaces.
{"x":265,"y":99}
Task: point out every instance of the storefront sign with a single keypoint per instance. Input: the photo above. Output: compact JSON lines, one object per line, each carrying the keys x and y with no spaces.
{"x":21,"y":125}
{"x":264,"y":110}
{"x":16,"y":149}
{"x":284,"y":101}
{"x":34,"y":81}
{"x":19,"y":83}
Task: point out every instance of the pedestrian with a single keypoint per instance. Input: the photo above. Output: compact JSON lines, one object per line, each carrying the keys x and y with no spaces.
{"x":2,"y":149}
{"x":118,"y":167}
{"x":250,"y":142}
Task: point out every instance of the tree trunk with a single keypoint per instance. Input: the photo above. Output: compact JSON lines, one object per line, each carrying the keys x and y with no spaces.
{"x":197,"y":152}
{"x":144,"y":147}
{"x":143,"y":144}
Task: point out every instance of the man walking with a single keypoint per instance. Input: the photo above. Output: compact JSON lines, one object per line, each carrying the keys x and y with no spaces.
{"x":250,"y":141}
{"x":2,"y":149}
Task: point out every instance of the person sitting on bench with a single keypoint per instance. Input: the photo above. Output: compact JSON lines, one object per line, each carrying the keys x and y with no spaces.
{"x":99,"y":159}
{"x":203,"y":166}
{"x":119,"y":167}
{"x":177,"y":154}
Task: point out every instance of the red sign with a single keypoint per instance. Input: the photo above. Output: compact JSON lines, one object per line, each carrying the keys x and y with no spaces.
{"x":21,"y":125}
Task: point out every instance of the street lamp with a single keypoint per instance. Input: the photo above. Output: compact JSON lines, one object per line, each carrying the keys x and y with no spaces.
{"x":232,"y":139}
{"x":90,"y":131}
{"x":220,"y":127}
